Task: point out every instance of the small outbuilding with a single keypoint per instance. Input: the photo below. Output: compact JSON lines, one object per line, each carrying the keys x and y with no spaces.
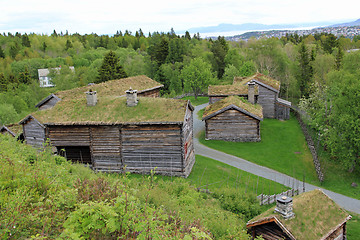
{"x":264,"y":92}
{"x":309,"y":216}
{"x":233,"y":119}
{"x":14,"y":130}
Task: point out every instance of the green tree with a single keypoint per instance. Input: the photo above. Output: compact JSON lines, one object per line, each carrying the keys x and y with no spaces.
{"x":110,"y":68}
{"x":2,"y":54}
{"x":68,"y":45}
{"x":305,"y":70}
{"x":197,"y":76}
{"x":44,"y":46}
{"x":3,"y":83}
{"x":219,"y":49}
{"x":25,"y":40}
{"x":25,"y":76}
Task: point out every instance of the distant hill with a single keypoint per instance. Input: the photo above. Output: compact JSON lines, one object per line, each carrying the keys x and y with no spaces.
{"x":225,"y":27}
{"x":349,"y":24}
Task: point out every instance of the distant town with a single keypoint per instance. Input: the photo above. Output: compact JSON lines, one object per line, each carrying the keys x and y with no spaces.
{"x":348,"y":32}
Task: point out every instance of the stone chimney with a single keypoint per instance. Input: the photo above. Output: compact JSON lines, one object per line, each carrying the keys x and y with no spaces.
{"x":251,"y":92}
{"x":284,"y":206}
{"x":91,"y":98}
{"x":131,"y":98}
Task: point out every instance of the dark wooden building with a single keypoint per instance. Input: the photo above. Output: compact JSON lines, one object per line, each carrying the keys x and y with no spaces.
{"x":233,"y":119}
{"x":113,"y":133}
{"x":265,"y":93}
{"x":309,"y":216}
{"x":13,"y":130}
{"x":146,"y":88}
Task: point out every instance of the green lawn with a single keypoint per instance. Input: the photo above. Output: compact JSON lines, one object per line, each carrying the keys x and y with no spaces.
{"x":212,"y":174}
{"x":198,"y":101}
{"x":283,"y":148}
{"x":353,"y":227}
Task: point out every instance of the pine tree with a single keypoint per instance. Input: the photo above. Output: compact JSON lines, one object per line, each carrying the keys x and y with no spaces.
{"x":3,"y":83}
{"x":68,"y":45}
{"x":25,"y":40}
{"x":306,"y":70}
{"x":44,"y":46}
{"x":110,"y":68}
{"x":2,"y":54}
{"x":25,"y":76}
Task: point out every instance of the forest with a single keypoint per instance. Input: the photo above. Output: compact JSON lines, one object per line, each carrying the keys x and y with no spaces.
{"x":318,"y":73}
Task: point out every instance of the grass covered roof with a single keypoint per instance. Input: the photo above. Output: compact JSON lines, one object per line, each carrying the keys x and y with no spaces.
{"x":240,"y":102}
{"x":316,"y":215}
{"x":258,"y":77}
{"x":113,"y":110}
{"x":112,"y":87}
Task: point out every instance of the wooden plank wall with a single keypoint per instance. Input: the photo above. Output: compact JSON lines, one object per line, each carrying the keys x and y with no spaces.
{"x":49,"y":104}
{"x":267,"y":99}
{"x":233,"y":125}
{"x":282,"y":112}
{"x":106,"y":148}
{"x":188,"y":143}
{"x":270,"y":231}
{"x":69,"y":135}
{"x":152,"y":93}
{"x":145,"y":147}
{"x":34,"y":133}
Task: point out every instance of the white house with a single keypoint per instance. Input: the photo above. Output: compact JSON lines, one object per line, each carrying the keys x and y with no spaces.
{"x":45,"y":80}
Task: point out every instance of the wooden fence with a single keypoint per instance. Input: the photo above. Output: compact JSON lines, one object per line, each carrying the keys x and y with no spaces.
{"x":269,"y":199}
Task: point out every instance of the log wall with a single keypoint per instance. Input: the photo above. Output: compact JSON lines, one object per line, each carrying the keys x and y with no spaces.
{"x":145,"y":147}
{"x":233,"y":125}
{"x":188,"y":143}
{"x":152,"y":93}
{"x":282,"y":112}
{"x":34,"y":133}
{"x":267,"y":99}
{"x":106,"y":148}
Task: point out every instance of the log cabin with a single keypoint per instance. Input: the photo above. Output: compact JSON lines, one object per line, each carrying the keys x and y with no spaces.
{"x":308,"y":216}
{"x":265,"y":92}
{"x":117,"y":133}
{"x":233,"y":119}
{"x":146,"y":88}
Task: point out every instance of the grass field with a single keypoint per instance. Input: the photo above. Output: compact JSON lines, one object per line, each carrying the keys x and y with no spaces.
{"x":212,"y":174}
{"x":283,"y":148}
{"x":353,"y":227}
{"x":198,"y":101}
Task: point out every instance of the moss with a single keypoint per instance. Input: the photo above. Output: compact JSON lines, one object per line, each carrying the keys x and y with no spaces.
{"x":237,"y":101}
{"x":310,"y":207}
{"x":111,"y":88}
{"x":113,"y":110}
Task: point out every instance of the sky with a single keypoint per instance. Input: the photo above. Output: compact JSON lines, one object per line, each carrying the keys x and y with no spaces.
{"x":109,"y":16}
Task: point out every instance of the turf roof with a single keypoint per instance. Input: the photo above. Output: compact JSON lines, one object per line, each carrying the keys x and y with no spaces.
{"x":113,"y":110}
{"x":228,"y":90}
{"x":237,"y":101}
{"x":261,"y":78}
{"x":316,"y":215}
{"x":112,"y":87}
{"x":16,"y":129}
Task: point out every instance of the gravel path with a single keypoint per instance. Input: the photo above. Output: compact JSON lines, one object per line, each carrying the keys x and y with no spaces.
{"x":350,"y":204}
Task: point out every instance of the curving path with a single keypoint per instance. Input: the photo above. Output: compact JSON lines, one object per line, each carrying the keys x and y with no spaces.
{"x":350,"y":204}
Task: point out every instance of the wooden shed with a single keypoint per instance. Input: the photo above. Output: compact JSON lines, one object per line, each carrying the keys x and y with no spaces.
{"x":233,"y":119}
{"x":156,"y":133}
{"x":315,"y":216}
{"x":146,"y":88}
{"x":266,"y":94}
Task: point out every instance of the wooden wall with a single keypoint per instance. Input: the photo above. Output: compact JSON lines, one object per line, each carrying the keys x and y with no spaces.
{"x":151,"y":93}
{"x":106,"y":148}
{"x":214,"y":99}
{"x":49,"y":104}
{"x":282,"y":111}
{"x":188,"y":143}
{"x":267,"y":99}
{"x":34,"y":133}
{"x":269,"y":231}
{"x":232,"y":125}
{"x":145,"y":147}
{"x":137,"y":148}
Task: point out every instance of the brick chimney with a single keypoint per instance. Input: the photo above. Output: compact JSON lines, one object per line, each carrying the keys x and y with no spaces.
{"x":284,"y":206}
{"x":91,"y":98}
{"x":251,"y":92}
{"x":131,"y":98}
